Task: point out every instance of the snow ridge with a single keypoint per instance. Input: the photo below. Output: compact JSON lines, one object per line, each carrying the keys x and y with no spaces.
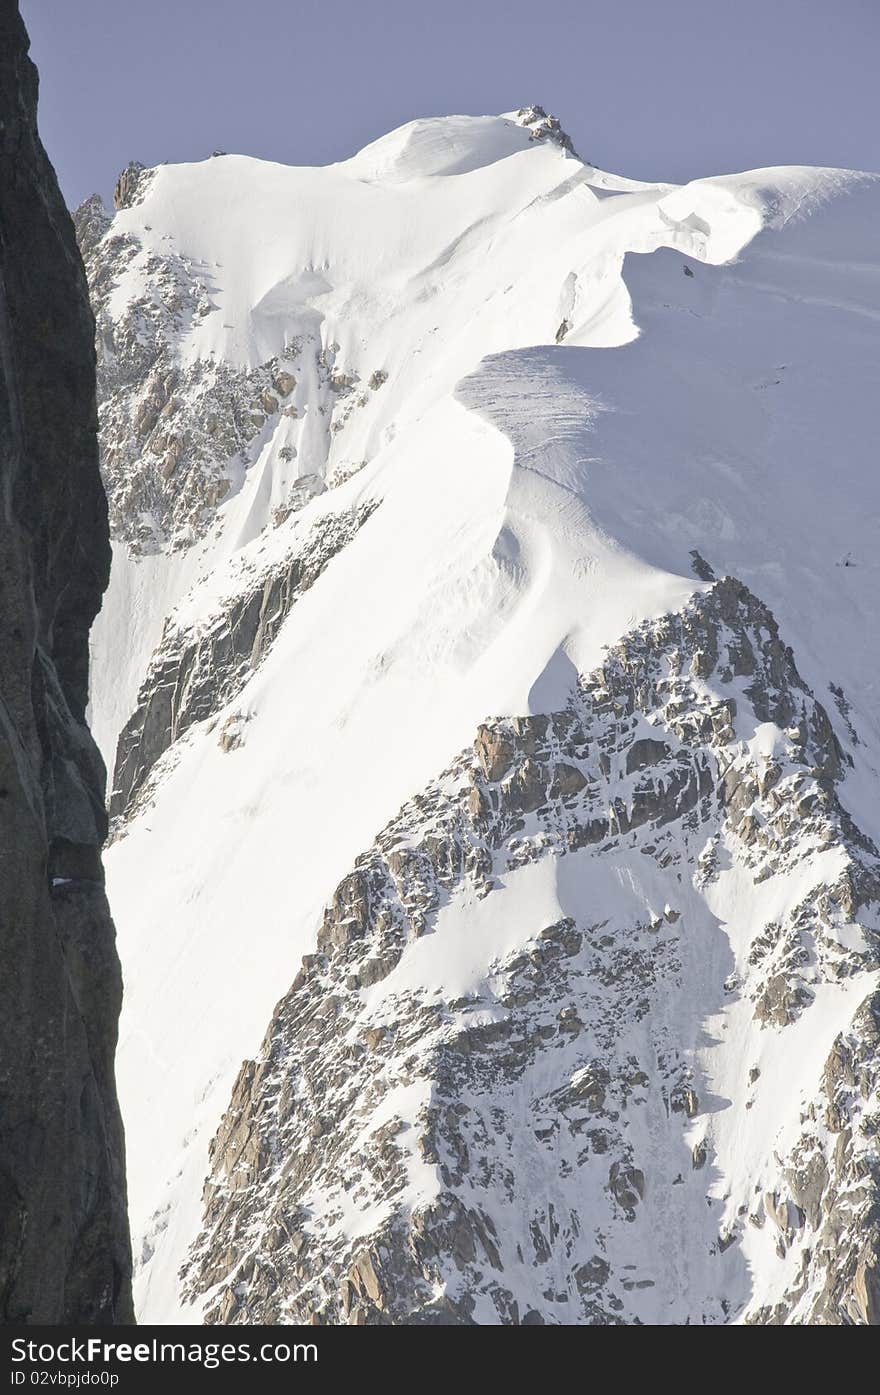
{"x":397,"y":451}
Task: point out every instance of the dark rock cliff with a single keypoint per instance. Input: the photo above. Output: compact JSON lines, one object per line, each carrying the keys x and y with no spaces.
{"x":64,"y":1249}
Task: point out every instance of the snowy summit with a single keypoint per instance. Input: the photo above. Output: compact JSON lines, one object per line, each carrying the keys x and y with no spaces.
{"x":488,"y":679}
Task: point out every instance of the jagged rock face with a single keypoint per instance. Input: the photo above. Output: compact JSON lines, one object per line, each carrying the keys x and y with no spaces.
{"x":164,"y":466}
{"x":545,"y":1147}
{"x":177,"y":436}
{"x":543,"y":126}
{"x":64,"y":1251}
{"x":193,"y":674}
{"x":128,"y":186}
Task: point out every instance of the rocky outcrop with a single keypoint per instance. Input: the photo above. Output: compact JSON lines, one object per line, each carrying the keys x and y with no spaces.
{"x":827,"y":1208}
{"x":130,"y":184}
{"x":541,"y":1149}
{"x":178,"y":434}
{"x":64,"y":1251}
{"x":542,"y":126}
{"x":193,"y":674}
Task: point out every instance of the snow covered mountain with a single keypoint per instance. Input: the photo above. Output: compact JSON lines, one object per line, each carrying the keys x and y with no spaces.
{"x":491,"y":656}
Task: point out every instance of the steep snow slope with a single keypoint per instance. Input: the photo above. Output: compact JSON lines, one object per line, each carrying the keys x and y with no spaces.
{"x":399,"y":446}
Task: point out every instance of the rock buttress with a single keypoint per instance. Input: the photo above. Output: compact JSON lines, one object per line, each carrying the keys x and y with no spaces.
{"x":64,"y":1247}
{"x":543,"y":1139}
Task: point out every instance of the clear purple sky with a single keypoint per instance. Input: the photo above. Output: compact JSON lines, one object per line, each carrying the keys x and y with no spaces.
{"x":666,"y":89}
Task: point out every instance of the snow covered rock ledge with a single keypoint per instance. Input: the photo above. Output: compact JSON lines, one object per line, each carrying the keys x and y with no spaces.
{"x":492,"y":1094}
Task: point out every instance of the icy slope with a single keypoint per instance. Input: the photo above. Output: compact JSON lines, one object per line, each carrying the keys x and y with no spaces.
{"x":401,"y":445}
